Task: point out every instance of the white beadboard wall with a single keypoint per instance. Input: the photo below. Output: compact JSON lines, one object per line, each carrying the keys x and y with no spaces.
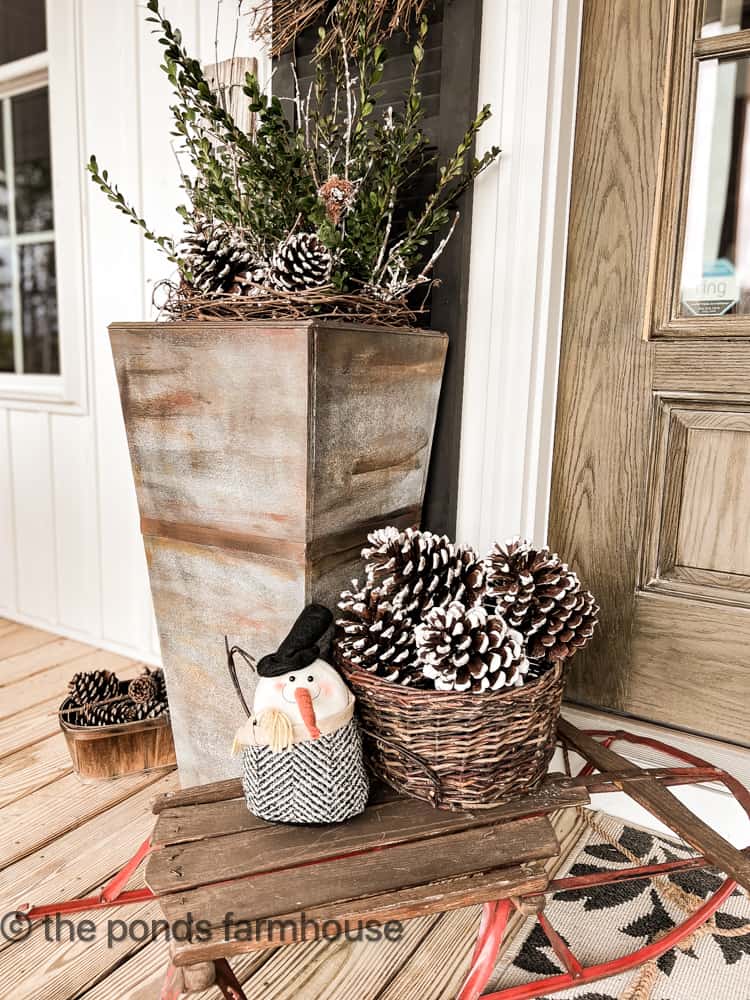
{"x":71,"y":555}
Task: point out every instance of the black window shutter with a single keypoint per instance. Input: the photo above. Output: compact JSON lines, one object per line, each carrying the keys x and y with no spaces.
{"x":449,"y":81}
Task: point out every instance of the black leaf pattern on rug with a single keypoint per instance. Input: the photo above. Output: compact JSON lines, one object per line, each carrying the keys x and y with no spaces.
{"x":602,"y":897}
{"x":732,"y":948}
{"x":532,"y":957}
{"x":652,"y":926}
{"x":638,"y":842}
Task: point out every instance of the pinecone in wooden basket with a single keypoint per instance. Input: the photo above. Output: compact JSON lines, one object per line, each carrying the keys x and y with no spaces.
{"x":92,"y":686}
{"x":537,"y":593}
{"x":103,"y":714}
{"x":213,"y":255}
{"x":418,"y":570}
{"x":467,"y":649}
{"x":376,"y":636}
{"x":134,"y":711}
{"x":148,"y":687}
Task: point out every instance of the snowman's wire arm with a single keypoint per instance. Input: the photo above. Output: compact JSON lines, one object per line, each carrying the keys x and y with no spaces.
{"x":233,"y":670}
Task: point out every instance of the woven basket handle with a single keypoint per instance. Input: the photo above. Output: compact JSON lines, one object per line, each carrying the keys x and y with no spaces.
{"x":432,"y":776}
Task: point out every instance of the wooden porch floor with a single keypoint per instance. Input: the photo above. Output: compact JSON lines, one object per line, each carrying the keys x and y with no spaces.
{"x":62,"y":838}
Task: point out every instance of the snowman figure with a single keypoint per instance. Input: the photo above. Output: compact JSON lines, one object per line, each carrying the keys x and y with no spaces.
{"x":301,"y":746}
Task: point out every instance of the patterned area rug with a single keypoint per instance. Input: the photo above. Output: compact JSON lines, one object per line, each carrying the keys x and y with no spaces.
{"x":606,"y":922}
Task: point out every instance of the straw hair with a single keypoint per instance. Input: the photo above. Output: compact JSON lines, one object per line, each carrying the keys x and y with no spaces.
{"x":459,"y":750}
{"x":277,"y":729}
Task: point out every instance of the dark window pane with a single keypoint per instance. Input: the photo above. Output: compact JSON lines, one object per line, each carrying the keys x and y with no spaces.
{"x":6,"y":310}
{"x":39,"y":308}
{"x":33,"y":180}
{"x":22,"y":29}
{"x":4,"y":223}
{"x":721,"y":17}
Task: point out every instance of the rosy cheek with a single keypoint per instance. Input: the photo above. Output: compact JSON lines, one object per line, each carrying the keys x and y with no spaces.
{"x":325,"y":689}
{"x":279,"y":686}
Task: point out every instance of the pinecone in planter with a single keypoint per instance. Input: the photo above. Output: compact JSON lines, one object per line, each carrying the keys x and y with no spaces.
{"x":419,"y":570}
{"x":213,"y":256}
{"x":375,"y":636}
{"x":536,"y":592}
{"x":93,"y":686}
{"x":467,"y":649}
{"x":300,"y":262}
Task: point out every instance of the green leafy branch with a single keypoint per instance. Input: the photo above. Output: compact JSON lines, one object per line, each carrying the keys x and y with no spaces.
{"x":113,"y":193}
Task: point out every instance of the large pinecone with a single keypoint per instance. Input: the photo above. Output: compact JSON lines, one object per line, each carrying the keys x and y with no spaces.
{"x":300,"y":262}
{"x":213,"y":256}
{"x":418,"y":570}
{"x":467,"y":649}
{"x":93,"y":686}
{"x":374,"y":636}
{"x":536,"y":592}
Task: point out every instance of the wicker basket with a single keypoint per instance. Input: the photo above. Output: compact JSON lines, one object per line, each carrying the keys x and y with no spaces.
{"x":459,"y":751}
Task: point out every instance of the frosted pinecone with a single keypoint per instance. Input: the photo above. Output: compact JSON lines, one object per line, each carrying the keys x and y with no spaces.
{"x":467,"y":649}
{"x":419,"y":570}
{"x":103,"y":714}
{"x":93,"y":686}
{"x":213,"y":256}
{"x":300,"y":262}
{"x":374,"y":636}
{"x":536,"y":592}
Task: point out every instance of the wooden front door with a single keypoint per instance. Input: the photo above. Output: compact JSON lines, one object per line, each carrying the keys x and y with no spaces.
{"x":651,"y":478}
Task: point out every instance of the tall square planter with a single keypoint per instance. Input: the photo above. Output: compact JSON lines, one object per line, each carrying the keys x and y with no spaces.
{"x":263,"y":453}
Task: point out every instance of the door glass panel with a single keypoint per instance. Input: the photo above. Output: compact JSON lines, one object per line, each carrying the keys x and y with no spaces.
{"x":22,"y":29}
{"x":721,"y":17}
{"x":715,"y":277}
{"x":6,"y":309}
{"x":38,"y":308}
{"x":31,"y":161}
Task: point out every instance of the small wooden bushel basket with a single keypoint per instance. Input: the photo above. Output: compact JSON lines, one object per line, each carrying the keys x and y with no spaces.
{"x":123,"y":748}
{"x":455,"y":750}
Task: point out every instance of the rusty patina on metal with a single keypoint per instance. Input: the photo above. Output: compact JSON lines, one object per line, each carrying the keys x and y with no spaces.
{"x":263,"y":453}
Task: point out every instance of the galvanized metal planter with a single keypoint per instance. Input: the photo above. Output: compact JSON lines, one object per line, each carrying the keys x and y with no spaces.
{"x":263,"y":453}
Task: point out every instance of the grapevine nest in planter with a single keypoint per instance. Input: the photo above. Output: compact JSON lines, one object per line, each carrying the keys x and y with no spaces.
{"x":458,"y":663}
{"x":180,"y":301}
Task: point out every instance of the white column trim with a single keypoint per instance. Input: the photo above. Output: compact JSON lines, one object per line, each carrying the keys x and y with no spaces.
{"x":528,"y":73}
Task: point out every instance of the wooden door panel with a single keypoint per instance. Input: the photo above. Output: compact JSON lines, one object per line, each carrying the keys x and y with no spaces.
{"x":651,"y":472}
{"x":689,"y":666}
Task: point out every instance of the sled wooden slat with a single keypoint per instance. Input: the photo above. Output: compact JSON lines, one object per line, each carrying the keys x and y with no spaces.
{"x":406,"y":904}
{"x":331,"y":884}
{"x":249,"y":845}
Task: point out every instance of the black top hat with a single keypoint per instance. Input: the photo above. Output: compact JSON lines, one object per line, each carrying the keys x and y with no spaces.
{"x":300,"y":648}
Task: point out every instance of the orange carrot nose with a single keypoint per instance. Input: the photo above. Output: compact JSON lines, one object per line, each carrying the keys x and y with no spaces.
{"x":306,"y":710}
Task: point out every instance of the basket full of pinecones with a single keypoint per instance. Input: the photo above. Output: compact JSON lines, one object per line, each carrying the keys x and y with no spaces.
{"x":459,"y":662}
{"x":115,"y":727}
